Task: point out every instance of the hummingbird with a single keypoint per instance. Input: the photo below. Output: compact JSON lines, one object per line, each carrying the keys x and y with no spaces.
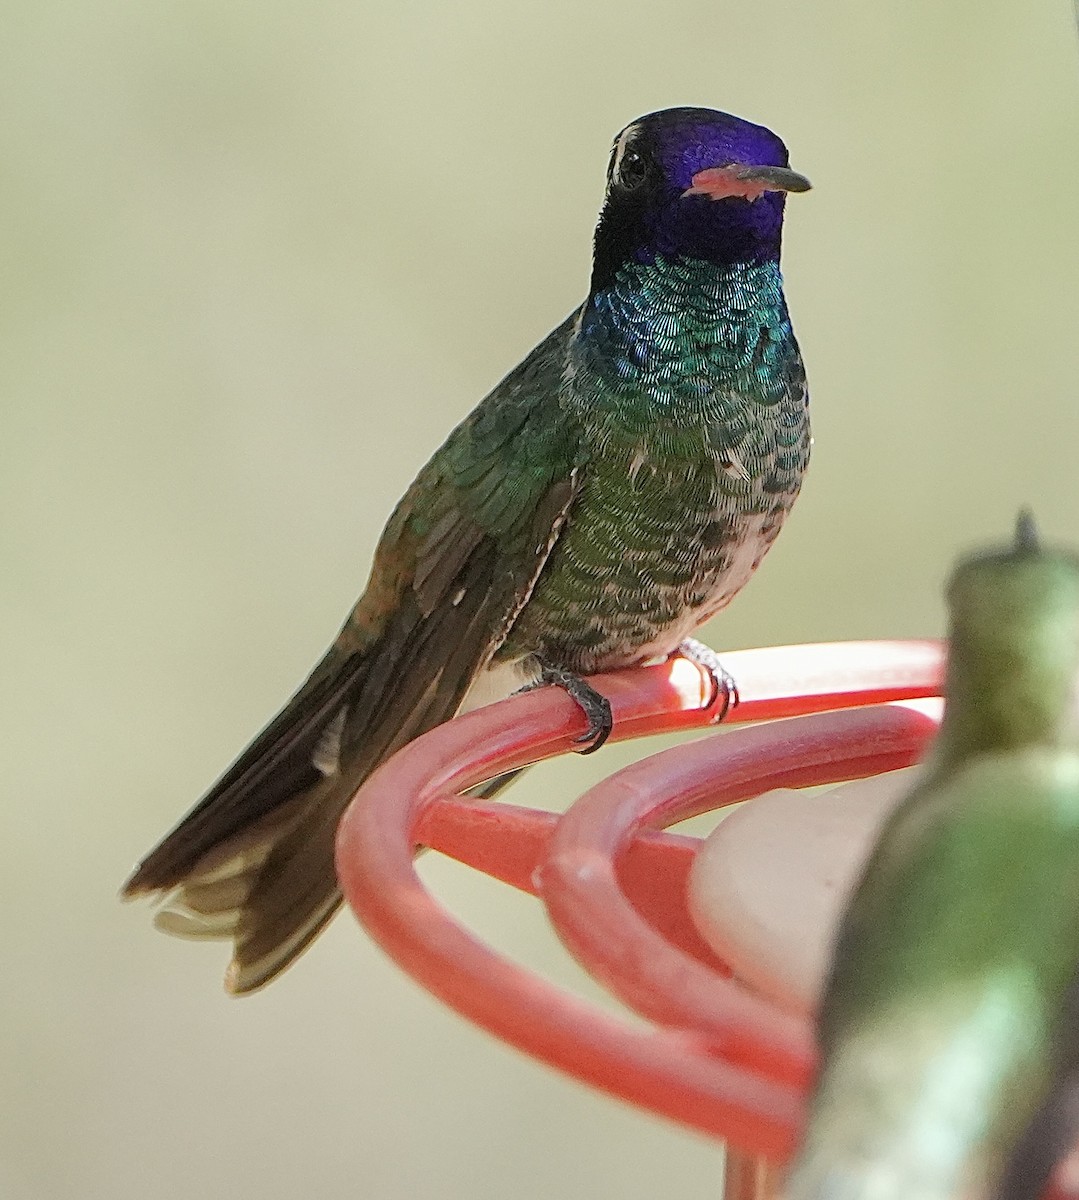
{"x":949,"y":1028}
{"x":613,"y":491}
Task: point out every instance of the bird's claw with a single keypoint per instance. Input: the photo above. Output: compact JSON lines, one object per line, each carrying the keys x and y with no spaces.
{"x":595,"y":706}
{"x":724,"y":689}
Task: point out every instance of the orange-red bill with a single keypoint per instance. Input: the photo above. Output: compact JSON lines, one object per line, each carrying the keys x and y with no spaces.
{"x":748,"y":182}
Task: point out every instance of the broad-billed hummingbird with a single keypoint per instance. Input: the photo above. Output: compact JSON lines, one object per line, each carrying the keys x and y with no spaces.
{"x":613,"y":492}
{"x":949,"y":1021}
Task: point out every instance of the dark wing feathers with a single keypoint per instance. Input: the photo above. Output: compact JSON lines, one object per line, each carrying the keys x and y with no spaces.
{"x":456,"y":563}
{"x":422,"y":669}
{"x":418,"y":674}
{"x":445,"y":551}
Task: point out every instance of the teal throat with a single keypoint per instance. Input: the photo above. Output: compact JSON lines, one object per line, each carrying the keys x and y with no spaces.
{"x":671,"y":338}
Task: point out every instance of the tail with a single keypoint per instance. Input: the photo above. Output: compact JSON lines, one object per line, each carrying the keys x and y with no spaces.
{"x":270,"y":891}
{"x":253,"y":862}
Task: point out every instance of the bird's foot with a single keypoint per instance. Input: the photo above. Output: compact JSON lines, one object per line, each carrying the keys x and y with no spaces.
{"x":596,"y":707}
{"x":724,"y":690}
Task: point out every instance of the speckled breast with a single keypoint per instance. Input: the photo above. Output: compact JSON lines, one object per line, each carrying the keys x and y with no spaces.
{"x":659,"y":541}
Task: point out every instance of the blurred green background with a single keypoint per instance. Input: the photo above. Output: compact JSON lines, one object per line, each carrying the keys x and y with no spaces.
{"x":257,"y":260}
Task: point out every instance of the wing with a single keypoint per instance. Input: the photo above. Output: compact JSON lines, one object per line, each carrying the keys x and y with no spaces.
{"x":457,"y":561}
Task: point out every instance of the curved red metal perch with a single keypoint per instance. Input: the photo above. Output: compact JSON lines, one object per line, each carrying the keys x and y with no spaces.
{"x":716,"y":1056}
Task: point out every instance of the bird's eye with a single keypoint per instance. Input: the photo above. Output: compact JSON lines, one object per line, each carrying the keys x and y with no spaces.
{"x":632,"y":169}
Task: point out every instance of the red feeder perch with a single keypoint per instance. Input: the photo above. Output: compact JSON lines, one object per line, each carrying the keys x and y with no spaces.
{"x":718,"y":1057}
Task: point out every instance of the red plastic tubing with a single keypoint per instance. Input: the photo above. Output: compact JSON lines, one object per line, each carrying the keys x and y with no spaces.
{"x":715,"y":1056}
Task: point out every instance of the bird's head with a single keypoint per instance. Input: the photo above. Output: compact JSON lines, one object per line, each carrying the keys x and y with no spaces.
{"x":693,"y":183}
